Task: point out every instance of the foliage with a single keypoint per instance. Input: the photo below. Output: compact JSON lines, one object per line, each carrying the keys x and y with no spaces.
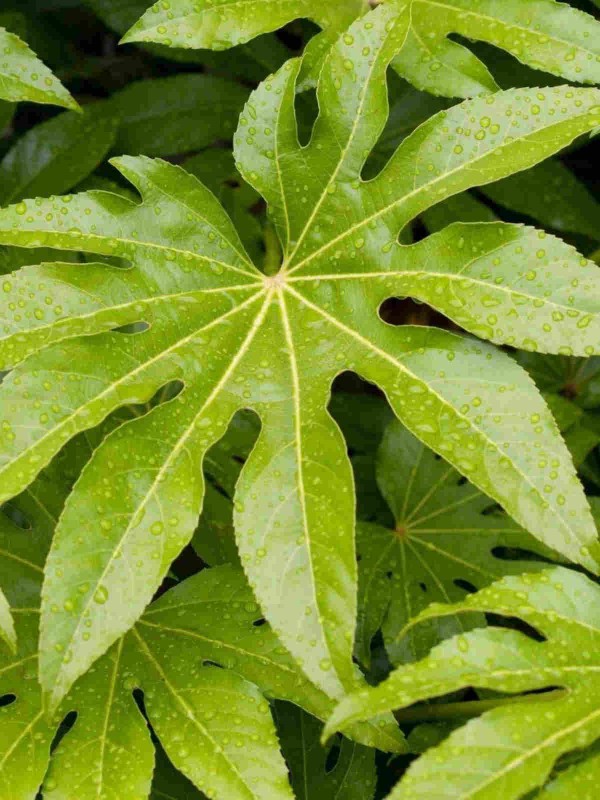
{"x":299,"y":401}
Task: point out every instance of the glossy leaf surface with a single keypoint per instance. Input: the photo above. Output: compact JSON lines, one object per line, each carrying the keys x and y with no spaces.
{"x":313,"y":777}
{"x":201,"y":714}
{"x":447,"y":536}
{"x":543,"y":34}
{"x":511,"y":749}
{"x":24,"y":77}
{"x":237,"y":338}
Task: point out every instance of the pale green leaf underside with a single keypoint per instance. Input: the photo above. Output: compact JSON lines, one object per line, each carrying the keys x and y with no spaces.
{"x":544,"y":34}
{"x":24,"y":77}
{"x":442,"y":540}
{"x":507,"y":752}
{"x":237,"y":339}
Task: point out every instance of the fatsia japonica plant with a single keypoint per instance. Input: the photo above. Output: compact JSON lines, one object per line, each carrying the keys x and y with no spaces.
{"x":299,"y":402}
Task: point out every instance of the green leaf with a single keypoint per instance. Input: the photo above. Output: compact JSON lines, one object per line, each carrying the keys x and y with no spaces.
{"x":56,"y":155}
{"x":7,"y":111}
{"x":176,"y":114}
{"x":580,"y":781}
{"x":551,"y":194}
{"x":225,"y":23}
{"x":215,"y":168}
{"x":242,"y":642}
{"x":462,"y":207}
{"x":543,"y":34}
{"x":214,"y":539}
{"x":510,"y":750}
{"x":108,"y":750}
{"x":275,"y":344}
{"x":24,"y":77}
{"x":7,"y":625}
{"x":575,"y":378}
{"x":168,"y":784}
{"x":446,"y":536}
{"x":352,"y":776}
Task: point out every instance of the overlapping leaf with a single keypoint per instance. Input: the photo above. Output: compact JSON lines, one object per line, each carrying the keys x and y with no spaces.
{"x":446,"y":537}
{"x":214,"y":723}
{"x":544,"y":34}
{"x":352,"y":774}
{"x":509,"y":751}
{"x":225,"y":23}
{"x":580,"y":781}
{"x":24,"y":77}
{"x":236,"y":338}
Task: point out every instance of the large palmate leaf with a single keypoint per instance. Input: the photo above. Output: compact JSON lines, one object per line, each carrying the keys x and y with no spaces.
{"x":544,"y":34}
{"x":24,"y":77}
{"x":510,"y":750}
{"x":213,"y":723}
{"x":237,"y":338}
{"x":446,"y":537}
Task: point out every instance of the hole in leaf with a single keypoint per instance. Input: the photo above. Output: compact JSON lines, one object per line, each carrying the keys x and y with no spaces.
{"x":466,"y":586}
{"x":132,"y":328}
{"x":307,"y":110}
{"x":333,"y":756}
{"x":518,"y":554}
{"x":7,"y":700}
{"x":65,"y":726}
{"x":406,"y":311}
{"x":516,"y":624}
{"x":138,"y":696}
{"x":16,"y":516}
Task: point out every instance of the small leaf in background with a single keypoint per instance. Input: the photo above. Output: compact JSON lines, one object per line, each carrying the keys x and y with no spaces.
{"x":178,"y":114}
{"x":448,"y":539}
{"x":56,"y":155}
{"x":552,"y":195}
